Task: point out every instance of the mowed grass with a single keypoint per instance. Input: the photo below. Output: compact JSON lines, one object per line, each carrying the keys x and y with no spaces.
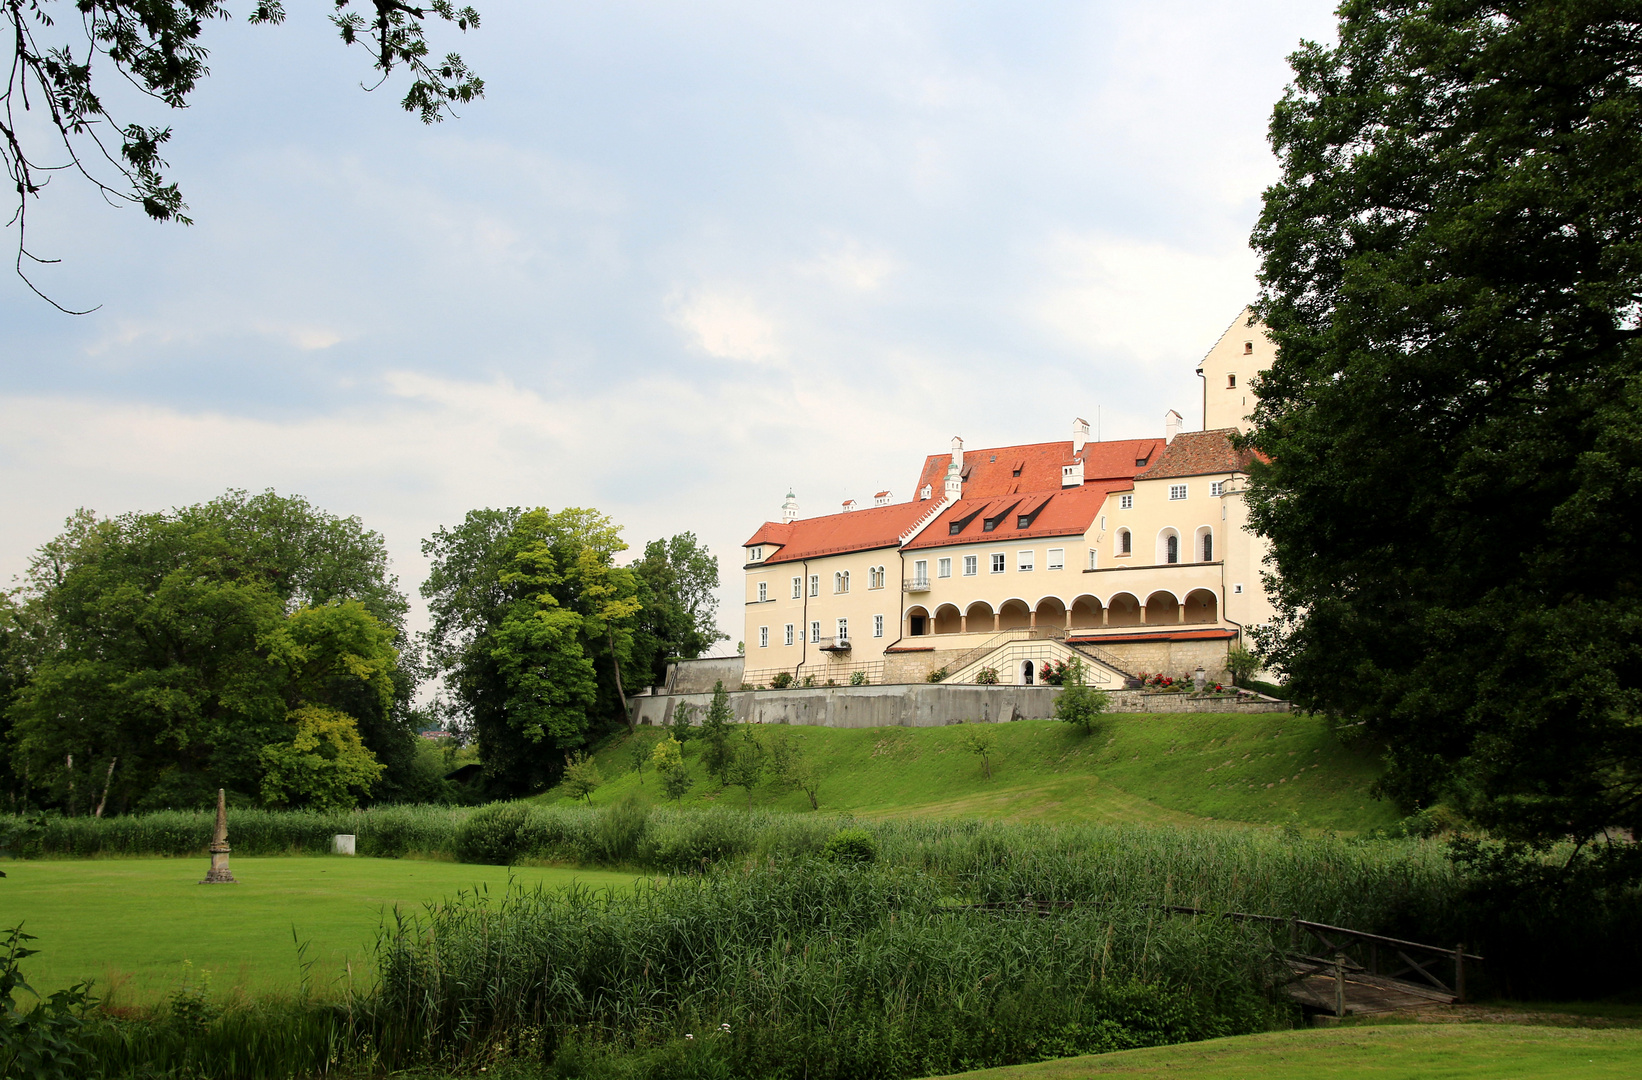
{"x":1180,"y":769}
{"x":1392,"y":1052}
{"x":139,"y":927}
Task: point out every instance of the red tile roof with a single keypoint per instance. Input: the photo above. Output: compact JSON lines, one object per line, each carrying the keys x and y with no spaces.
{"x":1063,"y":513}
{"x":992,"y":472}
{"x":835,"y":534}
{"x":1196,"y":453}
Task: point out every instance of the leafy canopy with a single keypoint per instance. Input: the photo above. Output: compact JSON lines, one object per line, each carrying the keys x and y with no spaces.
{"x":54,"y":118}
{"x":1452,"y":272}
{"x":157,"y":655}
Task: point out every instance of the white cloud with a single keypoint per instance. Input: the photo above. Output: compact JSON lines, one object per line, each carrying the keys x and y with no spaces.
{"x":728,"y":324}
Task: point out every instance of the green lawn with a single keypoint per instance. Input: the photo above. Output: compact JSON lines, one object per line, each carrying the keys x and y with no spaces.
{"x":1392,"y":1052}
{"x":139,"y":926}
{"x":1157,"y":767}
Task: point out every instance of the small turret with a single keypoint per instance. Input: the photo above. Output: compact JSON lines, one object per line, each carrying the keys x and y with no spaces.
{"x":955,"y":471}
{"x":789,"y":509}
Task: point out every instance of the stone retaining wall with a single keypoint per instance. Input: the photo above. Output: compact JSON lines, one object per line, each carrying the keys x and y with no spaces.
{"x":926,"y":705}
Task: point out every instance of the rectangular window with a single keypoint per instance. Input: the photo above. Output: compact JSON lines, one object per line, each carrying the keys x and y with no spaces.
{"x":997,"y":562}
{"x":920,"y":572}
{"x":1103,"y":523}
{"x":797,"y":588}
{"x":970,"y":565}
{"x":1094,"y":559}
{"x":877,"y":626}
{"x":1237,"y":588}
{"x":815,"y":630}
{"x":843,"y":629}
{"x":815,"y":584}
{"x":943,"y":568}
{"x":789,"y":633}
{"x":1125,"y":502}
{"x":763,"y":637}
{"x":1056,"y":559}
{"x":1024,"y":563}
{"x":1177,"y":492}
{"x":1215,"y":488}
{"x":757,"y":554}
{"x":763,"y":592}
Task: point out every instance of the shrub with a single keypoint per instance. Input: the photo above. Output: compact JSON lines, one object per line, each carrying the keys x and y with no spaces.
{"x":492,"y":835}
{"x":582,"y":777}
{"x":852,"y":846}
{"x":1078,"y":702}
{"x":619,"y":830}
{"x":1242,"y":664}
{"x":987,"y":676}
{"x":781,"y":680}
{"x":858,"y":678}
{"x":937,"y":675}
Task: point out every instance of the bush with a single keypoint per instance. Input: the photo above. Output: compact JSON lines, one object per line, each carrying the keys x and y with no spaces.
{"x":492,"y":835}
{"x":987,"y":676}
{"x":619,"y":831}
{"x":1078,"y":702}
{"x":937,"y":675}
{"x":852,"y":846}
{"x":781,"y":681}
{"x":858,"y":678}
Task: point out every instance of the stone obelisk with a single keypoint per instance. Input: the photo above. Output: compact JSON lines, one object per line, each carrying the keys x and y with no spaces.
{"x":219,"y":874}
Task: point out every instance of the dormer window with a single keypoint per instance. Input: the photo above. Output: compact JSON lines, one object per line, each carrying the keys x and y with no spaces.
{"x":1141,"y":461}
{"x":1023,"y":521}
{"x":925,"y":491}
{"x":755,"y":554}
{"x":989,"y":524}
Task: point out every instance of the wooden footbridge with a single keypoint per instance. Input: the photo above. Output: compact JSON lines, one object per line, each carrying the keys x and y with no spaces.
{"x":1335,"y":970}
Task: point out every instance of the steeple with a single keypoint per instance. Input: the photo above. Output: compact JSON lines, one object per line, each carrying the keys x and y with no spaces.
{"x":789,"y":509}
{"x":955,"y":471}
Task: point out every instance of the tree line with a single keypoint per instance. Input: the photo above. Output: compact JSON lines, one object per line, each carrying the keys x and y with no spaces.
{"x":257,"y":643}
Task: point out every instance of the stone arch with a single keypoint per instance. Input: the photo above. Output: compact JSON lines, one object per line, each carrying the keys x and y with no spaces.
{"x":1123,"y":609}
{"x":917,"y":624}
{"x":947,"y":619}
{"x":1050,"y":614}
{"x":1168,"y":546}
{"x":1013,"y":614}
{"x":1202,"y":606}
{"x":1086,"y":612}
{"x":1162,"y":607}
{"x":980,"y":618}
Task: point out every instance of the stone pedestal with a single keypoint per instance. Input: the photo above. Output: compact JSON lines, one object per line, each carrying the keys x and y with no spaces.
{"x":219,"y":873}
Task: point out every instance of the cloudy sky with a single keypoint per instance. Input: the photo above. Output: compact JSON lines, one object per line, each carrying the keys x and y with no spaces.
{"x":680,"y":258}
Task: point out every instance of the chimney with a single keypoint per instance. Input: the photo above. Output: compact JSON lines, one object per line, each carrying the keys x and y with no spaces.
{"x":789,"y":509}
{"x":881,"y":499}
{"x":1080,"y":434}
{"x":957,"y":452}
{"x":849,"y":504}
{"x":1171,"y":425}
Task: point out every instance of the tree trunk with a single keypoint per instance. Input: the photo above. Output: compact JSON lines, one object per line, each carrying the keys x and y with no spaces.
{"x":107,"y":782}
{"x":627,"y":714}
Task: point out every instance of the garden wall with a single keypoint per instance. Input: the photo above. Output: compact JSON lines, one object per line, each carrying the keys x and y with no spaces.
{"x":918,"y":705}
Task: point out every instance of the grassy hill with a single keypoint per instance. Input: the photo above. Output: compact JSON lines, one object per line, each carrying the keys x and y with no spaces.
{"x":1161,"y":768}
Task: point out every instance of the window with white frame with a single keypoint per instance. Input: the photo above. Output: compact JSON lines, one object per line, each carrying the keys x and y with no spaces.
{"x":763,"y":637}
{"x":877,"y":626}
{"x":789,"y":630}
{"x":1177,"y":492}
{"x":997,"y":562}
{"x":763,"y":592}
{"x":1094,"y":559}
{"x":797,"y":587}
{"x":1125,"y":502}
{"x":1125,"y":542}
{"x":755,"y":554}
{"x":1103,"y":523}
{"x":920,"y":571}
{"x":801,"y":635}
{"x":1215,"y":488}
{"x":1024,"y":560}
{"x":815,"y":630}
{"x":843,"y":630}
{"x":841,"y":582}
{"x":943,"y":568}
{"x":971,"y":565}
{"x":1237,"y":588}
{"x":1055,"y":559}
{"x":815,"y":584}
{"x":875,"y":578}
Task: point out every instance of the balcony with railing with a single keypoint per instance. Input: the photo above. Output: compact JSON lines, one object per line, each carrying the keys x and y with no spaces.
{"x":915,"y":585}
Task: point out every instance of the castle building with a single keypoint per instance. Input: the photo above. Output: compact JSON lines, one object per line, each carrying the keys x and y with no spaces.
{"x":1132,"y":555}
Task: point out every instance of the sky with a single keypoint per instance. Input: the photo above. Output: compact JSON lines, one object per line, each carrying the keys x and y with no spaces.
{"x":677,"y":261}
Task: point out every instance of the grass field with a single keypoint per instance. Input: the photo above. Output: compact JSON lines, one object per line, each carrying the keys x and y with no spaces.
{"x":1392,"y":1052}
{"x":141,"y":926}
{"x":1160,"y":768}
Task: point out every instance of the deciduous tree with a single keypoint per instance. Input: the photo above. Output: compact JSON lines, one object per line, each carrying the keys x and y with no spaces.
{"x":1452,"y":273}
